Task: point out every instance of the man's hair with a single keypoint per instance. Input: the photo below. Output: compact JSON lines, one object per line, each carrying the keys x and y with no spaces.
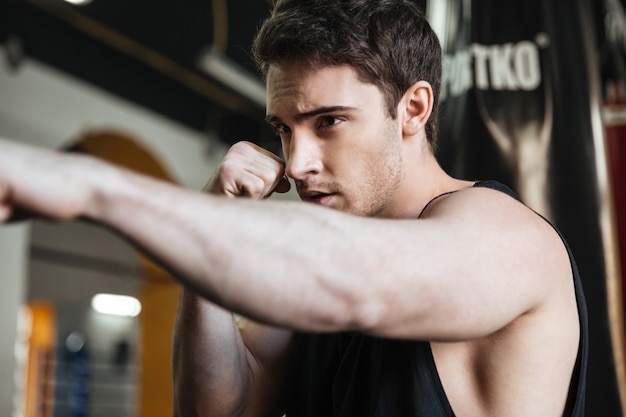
{"x":388,"y":42}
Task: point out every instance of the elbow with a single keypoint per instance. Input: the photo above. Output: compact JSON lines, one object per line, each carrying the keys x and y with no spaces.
{"x":368,"y":315}
{"x":353,"y":312}
{"x":340,"y":302}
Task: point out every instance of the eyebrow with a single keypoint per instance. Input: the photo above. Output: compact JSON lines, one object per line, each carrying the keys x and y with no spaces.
{"x":270,"y":118}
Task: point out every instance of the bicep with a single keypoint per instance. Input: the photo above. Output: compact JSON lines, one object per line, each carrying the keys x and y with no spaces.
{"x":268,"y":351}
{"x":477,"y":262}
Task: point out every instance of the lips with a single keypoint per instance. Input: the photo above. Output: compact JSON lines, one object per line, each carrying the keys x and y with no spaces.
{"x":314,"y":196}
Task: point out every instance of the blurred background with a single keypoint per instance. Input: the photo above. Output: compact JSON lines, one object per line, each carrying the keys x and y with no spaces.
{"x":533,"y":95}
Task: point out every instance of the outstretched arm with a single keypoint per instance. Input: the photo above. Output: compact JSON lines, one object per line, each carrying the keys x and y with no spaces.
{"x":304,"y":267}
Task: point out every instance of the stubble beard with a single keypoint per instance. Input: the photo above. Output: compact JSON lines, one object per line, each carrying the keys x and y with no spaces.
{"x":386,"y":176}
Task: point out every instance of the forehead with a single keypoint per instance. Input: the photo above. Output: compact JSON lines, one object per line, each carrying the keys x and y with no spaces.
{"x":298,"y":88}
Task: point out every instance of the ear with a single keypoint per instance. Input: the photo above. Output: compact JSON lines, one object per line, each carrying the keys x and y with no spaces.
{"x":415,"y":107}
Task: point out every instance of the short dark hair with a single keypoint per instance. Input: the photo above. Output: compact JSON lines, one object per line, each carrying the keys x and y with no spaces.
{"x":388,"y":42}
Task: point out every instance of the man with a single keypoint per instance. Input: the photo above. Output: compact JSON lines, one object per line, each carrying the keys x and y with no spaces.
{"x":396,"y":290}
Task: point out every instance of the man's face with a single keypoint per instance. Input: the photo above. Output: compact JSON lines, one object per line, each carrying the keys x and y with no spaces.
{"x":341,"y":147}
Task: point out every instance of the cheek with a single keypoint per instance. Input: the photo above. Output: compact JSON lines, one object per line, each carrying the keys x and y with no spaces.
{"x":349,"y":163}
{"x":362,"y":154}
{"x":362,"y":175}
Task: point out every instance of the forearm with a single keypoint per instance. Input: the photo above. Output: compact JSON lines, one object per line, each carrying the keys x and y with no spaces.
{"x":242,"y":255}
{"x":210,"y":368}
{"x":227,"y":367}
{"x":247,"y":256}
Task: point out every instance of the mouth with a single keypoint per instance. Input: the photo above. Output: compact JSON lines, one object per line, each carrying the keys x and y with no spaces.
{"x":316,"y":197}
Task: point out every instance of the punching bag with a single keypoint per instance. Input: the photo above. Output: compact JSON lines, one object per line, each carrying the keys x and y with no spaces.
{"x":521,"y":104}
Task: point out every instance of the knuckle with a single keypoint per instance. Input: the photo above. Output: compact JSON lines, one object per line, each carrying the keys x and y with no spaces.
{"x":242,"y":147}
{"x":229,"y":169}
{"x":256,"y":187}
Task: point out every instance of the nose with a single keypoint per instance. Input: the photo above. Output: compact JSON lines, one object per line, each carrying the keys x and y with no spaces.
{"x":303,"y":157}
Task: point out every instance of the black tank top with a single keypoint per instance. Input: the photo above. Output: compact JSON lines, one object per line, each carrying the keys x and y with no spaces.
{"x":355,"y":375}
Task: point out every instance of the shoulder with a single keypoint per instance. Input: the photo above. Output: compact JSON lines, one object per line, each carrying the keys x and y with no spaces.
{"x":481,"y":204}
{"x":487,"y":203}
{"x":496,"y":219}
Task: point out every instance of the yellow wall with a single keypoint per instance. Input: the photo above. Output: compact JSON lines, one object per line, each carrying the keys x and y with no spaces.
{"x":159,"y":299}
{"x":41,"y":361}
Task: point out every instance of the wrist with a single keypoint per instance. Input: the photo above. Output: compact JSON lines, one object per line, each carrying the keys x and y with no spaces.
{"x":106,"y":187}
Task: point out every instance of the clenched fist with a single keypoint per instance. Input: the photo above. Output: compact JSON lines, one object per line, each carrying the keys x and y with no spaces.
{"x":250,"y":171}
{"x":45,"y":183}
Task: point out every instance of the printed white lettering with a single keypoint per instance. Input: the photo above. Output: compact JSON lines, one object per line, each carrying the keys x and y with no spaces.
{"x":506,"y":67}
{"x":481,"y":71}
{"x":502,"y":77}
{"x":527,"y":66}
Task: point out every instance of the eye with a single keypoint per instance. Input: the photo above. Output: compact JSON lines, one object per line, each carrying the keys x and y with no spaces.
{"x":328,"y":121}
{"x":281,"y":129}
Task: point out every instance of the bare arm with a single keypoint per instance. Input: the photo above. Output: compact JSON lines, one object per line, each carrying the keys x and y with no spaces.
{"x":223,"y":366}
{"x":226,"y":368}
{"x":424,"y":279}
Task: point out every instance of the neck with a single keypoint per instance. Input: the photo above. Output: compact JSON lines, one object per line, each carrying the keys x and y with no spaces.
{"x":423,"y":181}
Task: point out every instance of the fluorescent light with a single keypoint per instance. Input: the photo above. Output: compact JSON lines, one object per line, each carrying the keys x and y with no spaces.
{"x":234,"y":76}
{"x":117,"y":305}
{"x":78,"y":2}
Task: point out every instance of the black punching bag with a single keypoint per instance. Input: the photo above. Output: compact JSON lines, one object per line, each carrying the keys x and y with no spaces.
{"x":520,"y":104}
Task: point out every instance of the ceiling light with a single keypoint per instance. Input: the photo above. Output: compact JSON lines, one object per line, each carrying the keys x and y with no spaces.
{"x":218,"y":66}
{"x":117,"y":305}
{"x":79,"y":2}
